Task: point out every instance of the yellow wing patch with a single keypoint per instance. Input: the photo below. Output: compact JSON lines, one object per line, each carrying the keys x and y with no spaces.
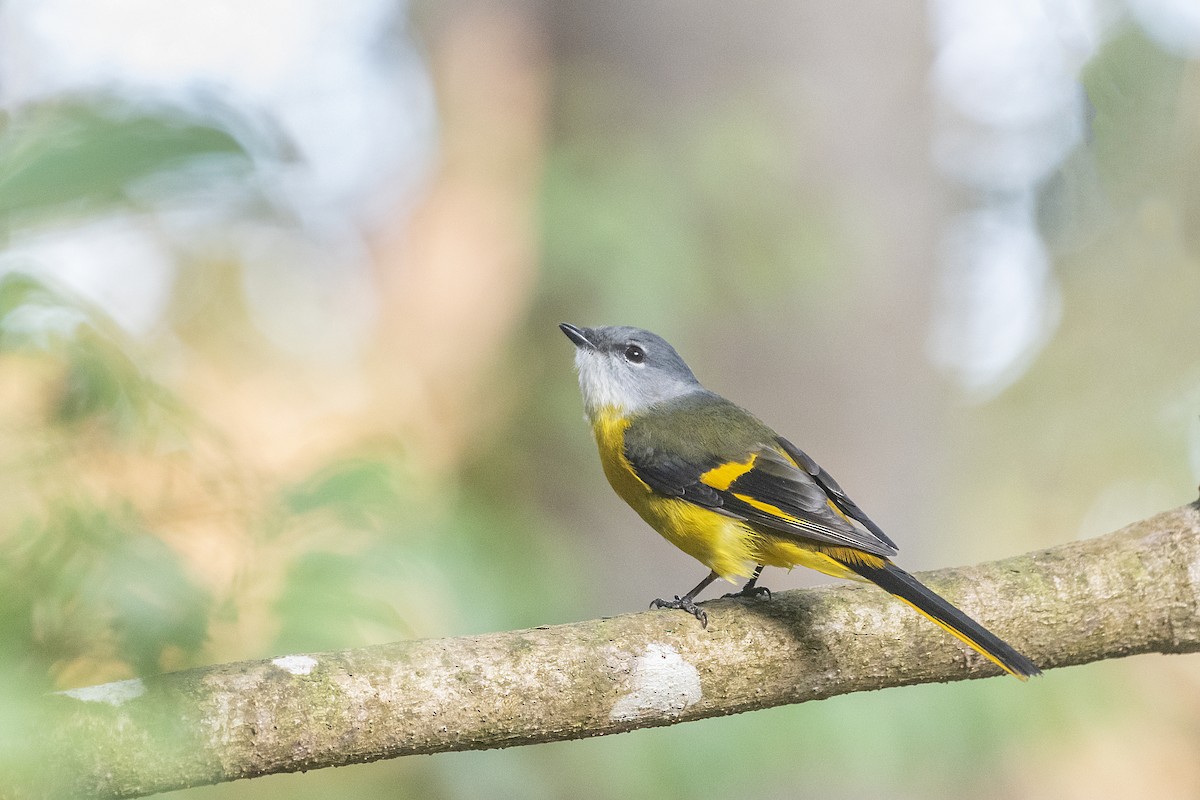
{"x":721,"y":543}
{"x":767,"y":508}
{"x":722,"y":477}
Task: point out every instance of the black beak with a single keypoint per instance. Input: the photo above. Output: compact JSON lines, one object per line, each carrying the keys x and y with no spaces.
{"x":577,"y":335}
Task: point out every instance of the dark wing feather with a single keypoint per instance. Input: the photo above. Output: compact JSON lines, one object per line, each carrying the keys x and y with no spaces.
{"x":835,"y":492}
{"x":773,"y":493}
{"x":674,"y":477}
{"x":795,"y":503}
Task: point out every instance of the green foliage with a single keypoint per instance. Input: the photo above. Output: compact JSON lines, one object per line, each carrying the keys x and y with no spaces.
{"x":1134,"y":87}
{"x":32,"y":314}
{"x":83,"y":575}
{"x":100,"y":383}
{"x":82,"y":155}
{"x":91,"y":572}
{"x":336,"y":599}
{"x":386,"y":560}
{"x":359,"y":493}
{"x":328,"y":600}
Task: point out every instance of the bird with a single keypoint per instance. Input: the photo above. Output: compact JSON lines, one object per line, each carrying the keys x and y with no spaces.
{"x":723,"y":487}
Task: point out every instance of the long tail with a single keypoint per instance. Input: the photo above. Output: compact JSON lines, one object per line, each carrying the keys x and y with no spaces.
{"x":896,"y":581}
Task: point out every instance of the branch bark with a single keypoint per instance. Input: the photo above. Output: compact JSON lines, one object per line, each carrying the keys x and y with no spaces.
{"x":1133,"y":591}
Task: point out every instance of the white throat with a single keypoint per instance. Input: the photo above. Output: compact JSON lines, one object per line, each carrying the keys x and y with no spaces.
{"x":608,"y":384}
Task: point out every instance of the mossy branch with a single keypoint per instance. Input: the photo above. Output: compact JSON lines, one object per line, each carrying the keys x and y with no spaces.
{"x":1133,"y":591}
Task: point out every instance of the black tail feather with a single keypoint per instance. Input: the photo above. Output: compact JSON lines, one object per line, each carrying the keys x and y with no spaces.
{"x":897,"y":582}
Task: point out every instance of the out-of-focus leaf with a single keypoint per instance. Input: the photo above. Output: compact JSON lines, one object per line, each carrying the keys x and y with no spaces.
{"x":87,"y":574}
{"x":327,"y":596}
{"x":101,"y":383}
{"x":84,"y":581}
{"x":357,"y":491}
{"x":17,"y":290}
{"x":358,"y":594}
{"x":104,"y":384}
{"x":83,"y":155}
{"x":30,"y":310}
{"x":1133,"y":86}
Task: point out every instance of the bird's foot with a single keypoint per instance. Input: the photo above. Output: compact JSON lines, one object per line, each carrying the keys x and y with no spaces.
{"x":750,"y":591}
{"x":683,"y":604}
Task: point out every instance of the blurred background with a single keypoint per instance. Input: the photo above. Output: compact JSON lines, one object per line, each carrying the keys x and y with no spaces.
{"x":279,"y":368}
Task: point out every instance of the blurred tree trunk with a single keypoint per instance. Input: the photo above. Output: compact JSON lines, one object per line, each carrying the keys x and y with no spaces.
{"x":457,"y":275}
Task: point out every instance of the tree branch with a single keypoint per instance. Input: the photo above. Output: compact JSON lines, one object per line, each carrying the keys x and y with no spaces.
{"x":1133,"y":591}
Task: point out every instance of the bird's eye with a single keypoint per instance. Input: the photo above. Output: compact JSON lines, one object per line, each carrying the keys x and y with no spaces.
{"x":635,"y":354}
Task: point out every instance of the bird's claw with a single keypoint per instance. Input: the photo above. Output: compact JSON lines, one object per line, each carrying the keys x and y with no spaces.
{"x":748,"y":592}
{"x":683,"y":604}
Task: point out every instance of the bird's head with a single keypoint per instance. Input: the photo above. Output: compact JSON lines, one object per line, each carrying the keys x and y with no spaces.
{"x":627,"y":368}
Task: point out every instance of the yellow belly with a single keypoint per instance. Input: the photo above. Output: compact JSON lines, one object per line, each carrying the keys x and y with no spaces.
{"x":727,"y":546}
{"x":776,"y":552}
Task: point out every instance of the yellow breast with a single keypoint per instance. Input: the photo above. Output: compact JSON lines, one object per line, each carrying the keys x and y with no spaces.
{"x":726,"y":546}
